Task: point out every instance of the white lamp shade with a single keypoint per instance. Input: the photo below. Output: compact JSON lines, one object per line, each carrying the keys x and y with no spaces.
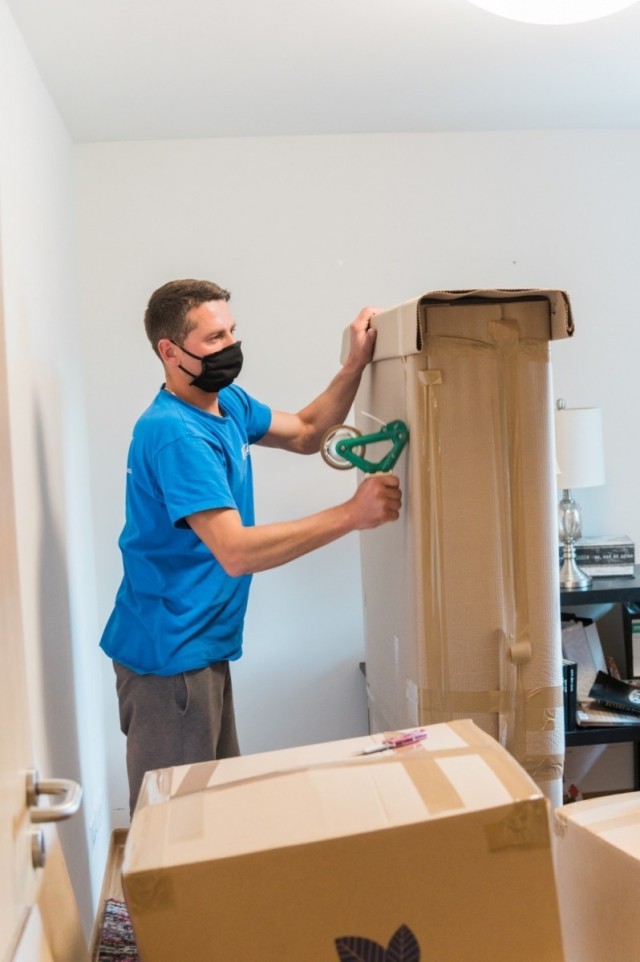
{"x":579,"y":447}
{"x":553,"y":11}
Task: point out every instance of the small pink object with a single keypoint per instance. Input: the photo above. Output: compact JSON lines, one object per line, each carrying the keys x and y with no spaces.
{"x":401,"y":740}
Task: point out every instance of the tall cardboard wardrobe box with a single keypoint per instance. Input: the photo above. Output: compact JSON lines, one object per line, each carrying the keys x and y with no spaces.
{"x":461,"y":596}
{"x":439,"y":852}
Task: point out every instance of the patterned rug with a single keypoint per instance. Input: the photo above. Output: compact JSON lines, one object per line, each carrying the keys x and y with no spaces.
{"x":116,"y":943}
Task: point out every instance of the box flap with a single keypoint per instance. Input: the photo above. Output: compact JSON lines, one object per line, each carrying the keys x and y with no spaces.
{"x":400,"y":331}
{"x":561,"y":318}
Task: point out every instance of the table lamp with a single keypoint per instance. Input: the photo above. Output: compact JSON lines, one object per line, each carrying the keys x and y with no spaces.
{"x":580,"y":464}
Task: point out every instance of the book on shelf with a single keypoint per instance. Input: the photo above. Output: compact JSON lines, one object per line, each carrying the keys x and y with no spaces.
{"x":592,"y":715}
{"x":581,"y":644}
{"x":631,"y":623}
{"x":607,"y":550}
{"x":608,"y":571}
{"x":605,"y":556}
{"x":569,"y":688}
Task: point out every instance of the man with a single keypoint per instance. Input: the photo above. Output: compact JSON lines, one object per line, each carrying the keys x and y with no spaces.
{"x":190,"y":544}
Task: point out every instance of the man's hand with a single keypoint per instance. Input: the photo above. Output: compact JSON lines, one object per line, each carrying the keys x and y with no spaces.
{"x":377,"y":500}
{"x":363,"y":339}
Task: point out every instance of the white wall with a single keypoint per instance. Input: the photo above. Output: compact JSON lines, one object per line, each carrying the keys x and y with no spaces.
{"x":48,"y":434}
{"x":305,"y":231}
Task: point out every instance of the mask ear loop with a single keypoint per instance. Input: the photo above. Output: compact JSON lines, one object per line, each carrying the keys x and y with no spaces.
{"x":180,"y":348}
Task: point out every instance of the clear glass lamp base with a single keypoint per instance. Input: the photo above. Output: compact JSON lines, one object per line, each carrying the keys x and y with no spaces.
{"x":570,"y":528}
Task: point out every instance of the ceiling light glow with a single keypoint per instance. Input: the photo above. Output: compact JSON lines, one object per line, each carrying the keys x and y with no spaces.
{"x":553,"y":11}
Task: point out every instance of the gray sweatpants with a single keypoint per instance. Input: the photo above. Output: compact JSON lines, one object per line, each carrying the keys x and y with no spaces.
{"x":175,"y":720}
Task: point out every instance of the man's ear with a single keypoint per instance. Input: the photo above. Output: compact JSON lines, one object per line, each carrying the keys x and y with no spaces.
{"x":167,"y":351}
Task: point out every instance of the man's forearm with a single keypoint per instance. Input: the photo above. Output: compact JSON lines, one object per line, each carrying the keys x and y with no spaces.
{"x":302,"y":432}
{"x":245,"y":550}
{"x":331,"y":407}
{"x":269,"y":546}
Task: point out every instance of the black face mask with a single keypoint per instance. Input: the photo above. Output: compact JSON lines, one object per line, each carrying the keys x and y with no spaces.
{"x":219,"y":369}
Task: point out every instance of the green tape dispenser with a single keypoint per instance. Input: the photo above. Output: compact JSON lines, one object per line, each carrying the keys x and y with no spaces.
{"x":344,"y":447}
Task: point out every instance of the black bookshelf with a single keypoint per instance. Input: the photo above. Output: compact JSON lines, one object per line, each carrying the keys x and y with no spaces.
{"x":604,"y":590}
{"x":618,"y":590}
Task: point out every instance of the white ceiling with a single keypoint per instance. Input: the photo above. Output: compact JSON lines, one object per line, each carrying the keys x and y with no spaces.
{"x":156,"y":69}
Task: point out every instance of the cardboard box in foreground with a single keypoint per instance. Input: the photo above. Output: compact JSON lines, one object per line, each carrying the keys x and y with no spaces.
{"x":436,"y":853}
{"x":597,"y":850}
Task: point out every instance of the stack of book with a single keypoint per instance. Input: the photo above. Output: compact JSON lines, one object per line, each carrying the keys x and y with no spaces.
{"x":605,"y":557}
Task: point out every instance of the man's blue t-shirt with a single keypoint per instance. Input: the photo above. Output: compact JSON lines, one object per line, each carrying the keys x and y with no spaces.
{"x":176,"y":608}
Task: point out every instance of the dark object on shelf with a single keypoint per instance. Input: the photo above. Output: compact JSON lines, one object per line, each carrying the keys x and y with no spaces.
{"x":631,"y":624}
{"x":569,"y":673}
{"x":616,"y":694}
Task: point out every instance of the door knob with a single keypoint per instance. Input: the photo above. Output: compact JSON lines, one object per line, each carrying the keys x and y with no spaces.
{"x":70,"y":797}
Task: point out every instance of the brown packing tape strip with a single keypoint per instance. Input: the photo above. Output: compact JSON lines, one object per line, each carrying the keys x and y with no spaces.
{"x":433,"y":786}
{"x":523,"y":826}
{"x":197,"y":778}
{"x":187,"y":822}
{"x":540,"y":704}
{"x":543,"y":768}
{"x":434,"y":661}
{"x":541,"y":708}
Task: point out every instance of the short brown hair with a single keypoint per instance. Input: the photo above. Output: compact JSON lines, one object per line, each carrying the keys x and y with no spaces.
{"x":166,"y":313}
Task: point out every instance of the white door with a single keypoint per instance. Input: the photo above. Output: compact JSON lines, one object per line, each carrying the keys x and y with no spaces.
{"x":27,"y":917}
